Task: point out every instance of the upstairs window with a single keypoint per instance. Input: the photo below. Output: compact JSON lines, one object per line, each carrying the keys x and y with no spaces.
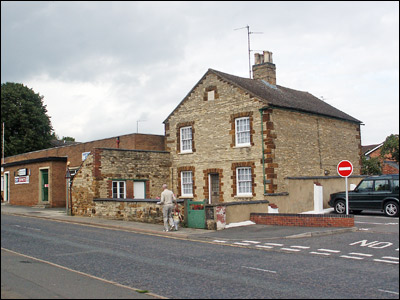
{"x":211,"y":95}
{"x":186,"y":139}
{"x":119,"y":189}
{"x":242,"y":131}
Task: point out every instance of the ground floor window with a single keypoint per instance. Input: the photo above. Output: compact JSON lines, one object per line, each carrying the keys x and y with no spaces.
{"x":187,"y":183}
{"x":119,"y":189}
{"x":243,"y":181}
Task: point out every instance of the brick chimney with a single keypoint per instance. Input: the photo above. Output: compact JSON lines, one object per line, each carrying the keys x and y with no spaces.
{"x":263,"y":67}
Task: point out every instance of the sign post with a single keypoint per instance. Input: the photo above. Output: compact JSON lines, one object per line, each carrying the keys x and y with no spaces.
{"x":345,"y":169}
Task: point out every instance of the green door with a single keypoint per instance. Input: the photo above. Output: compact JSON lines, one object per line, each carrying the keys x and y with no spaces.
{"x":196,"y":214}
{"x":45,"y":185}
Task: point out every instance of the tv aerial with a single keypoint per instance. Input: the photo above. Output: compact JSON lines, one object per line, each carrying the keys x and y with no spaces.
{"x":248,"y":42}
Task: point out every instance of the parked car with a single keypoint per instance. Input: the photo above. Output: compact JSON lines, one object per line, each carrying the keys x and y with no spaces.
{"x":372,"y":193}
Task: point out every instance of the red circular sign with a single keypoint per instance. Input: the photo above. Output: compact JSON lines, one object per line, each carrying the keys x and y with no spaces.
{"x":345,"y":168}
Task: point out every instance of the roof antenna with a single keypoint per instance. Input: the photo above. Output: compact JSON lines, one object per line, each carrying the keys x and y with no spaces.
{"x":248,"y":41}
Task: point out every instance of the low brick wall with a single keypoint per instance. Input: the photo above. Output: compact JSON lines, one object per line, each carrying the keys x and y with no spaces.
{"x":304,"y":220}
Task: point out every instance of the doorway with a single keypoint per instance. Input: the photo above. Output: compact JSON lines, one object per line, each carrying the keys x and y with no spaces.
{"x":213,"y":183}
{"x":44,"y":185}
{"x":6,"y":187}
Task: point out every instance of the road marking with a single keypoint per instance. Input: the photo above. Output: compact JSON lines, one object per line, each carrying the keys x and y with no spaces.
{"x":300,"y":247}
{"x":319,"y":253}
{"x":390,"y":257}
{"x":242,"y":244}
{"x":272,"y":244}
{"x":267,"y":247}
{"x":390,"y":292}
{"x":290,"y":249}
{"x":251,"y":242}
{"x":361,"y":254}
{"x":351,"y":257}
{"x":257,"y":269}
{"x":218,"y":241}
{"x":329,"y":250}
{"x":386,"y":261}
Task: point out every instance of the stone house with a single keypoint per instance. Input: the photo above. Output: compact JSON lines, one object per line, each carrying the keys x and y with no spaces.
{"x":235,"y":139}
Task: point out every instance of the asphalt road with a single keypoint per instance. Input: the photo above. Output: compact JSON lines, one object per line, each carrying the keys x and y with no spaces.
{"x":362,"y":264}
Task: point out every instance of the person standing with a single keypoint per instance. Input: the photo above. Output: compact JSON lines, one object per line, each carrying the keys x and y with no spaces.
{"x":167,"y":199}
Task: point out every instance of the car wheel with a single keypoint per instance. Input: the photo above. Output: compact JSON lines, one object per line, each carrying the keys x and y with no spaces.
{"x":340,"y":207}
{"x":391,"y":209}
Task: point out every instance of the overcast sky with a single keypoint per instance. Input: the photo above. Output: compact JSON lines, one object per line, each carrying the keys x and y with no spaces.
{"x":104,"y":66}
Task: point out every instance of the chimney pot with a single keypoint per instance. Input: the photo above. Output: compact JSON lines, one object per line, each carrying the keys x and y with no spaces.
{"x":264,"y":68}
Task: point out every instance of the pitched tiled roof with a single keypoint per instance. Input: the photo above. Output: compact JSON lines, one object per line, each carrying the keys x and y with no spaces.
{"x":282,"y":97}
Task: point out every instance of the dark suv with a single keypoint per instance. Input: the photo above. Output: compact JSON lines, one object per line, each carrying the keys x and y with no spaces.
{"x":372,"y":193}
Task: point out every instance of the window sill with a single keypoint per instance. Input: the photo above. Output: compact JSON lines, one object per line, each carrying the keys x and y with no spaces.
{"x":242,"y":146}
{"x":183,"y":153}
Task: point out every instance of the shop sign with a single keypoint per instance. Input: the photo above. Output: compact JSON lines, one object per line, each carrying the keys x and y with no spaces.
{"x":21,"y":179}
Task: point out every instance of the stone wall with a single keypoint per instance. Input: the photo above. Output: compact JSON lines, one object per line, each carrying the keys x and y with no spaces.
{"x":93,"y":180}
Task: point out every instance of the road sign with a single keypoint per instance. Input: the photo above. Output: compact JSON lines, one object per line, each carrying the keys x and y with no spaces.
{"x":345,"y":168}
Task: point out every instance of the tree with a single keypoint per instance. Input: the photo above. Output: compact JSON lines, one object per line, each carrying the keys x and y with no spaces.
{"x":391,"y":147}
{"x":27,"y":125}
{"x":371,"y":166}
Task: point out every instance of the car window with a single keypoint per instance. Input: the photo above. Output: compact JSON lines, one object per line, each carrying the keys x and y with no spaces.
{"x":365,"y":186}
{"x":382,"y":185}
{"x":396,"y":185}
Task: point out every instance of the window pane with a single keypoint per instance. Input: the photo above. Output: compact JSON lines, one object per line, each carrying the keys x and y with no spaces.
{"x":243,"y":131}
{"x":186,"y":139}
{"x":187,"y":184}
{"x":244,"y":181}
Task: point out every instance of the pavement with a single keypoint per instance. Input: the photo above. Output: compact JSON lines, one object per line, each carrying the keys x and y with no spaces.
{"x":248,"y":232}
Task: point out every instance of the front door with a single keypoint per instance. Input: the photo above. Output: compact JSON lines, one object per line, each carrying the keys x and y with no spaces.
{"x":44,"y":174}
{"x":214,"y":188}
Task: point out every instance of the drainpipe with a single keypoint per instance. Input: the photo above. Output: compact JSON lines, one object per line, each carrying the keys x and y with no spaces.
{"x":262,"y":144}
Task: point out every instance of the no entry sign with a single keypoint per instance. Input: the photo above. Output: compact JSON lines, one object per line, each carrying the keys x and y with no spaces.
{"x":345,"y":168}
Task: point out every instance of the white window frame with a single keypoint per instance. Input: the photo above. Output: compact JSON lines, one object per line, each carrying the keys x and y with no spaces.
{"x":184,"y":138}
{"x":239,"y":131}
{"x":187,"y":183}
{"x":244,"y":187}
{"x":118,"y":185}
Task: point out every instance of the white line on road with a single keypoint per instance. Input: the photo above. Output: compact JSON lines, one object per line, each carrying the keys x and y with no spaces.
{"x":390,"y":257}
{"x":329,"y":250}
{"x":300,"y":247}
{"x":386,"y":261}
{"x":272,"y":244}
{"x":319,"y":253}
{"x":361,"y":254}
{"x":257,"y":269}
{"x":390,"y":292}
{"x":251,"y":242}
{"x":242,"y":244}
{"x":352,"y":257}
{"x":290,"y":249}
{"x":218,"y":241}
{"x":267,"y":247}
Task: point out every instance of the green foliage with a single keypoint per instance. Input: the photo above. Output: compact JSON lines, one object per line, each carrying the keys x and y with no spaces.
{"x":27,"y":125}
{"x":391,"y":147}
{"x":371,"y":166}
